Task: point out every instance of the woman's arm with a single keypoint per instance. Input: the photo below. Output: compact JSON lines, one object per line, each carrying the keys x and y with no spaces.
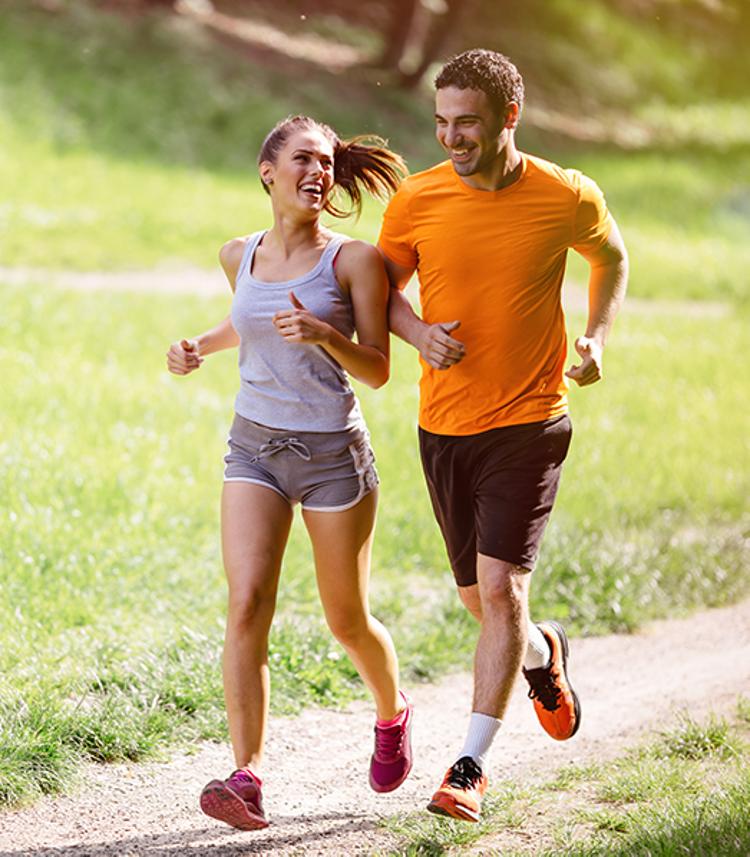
{"x":187,"y":355}
{"x":433,"y":341}
{"x":359,"y":270}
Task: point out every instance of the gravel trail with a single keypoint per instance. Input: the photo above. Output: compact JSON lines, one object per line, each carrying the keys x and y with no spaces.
{"x":316,"y":790}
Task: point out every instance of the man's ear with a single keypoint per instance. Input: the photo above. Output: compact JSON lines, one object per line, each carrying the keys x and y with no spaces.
{"x":512,"y":114}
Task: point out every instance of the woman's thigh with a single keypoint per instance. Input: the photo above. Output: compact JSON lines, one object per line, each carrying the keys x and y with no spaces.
{"x":342,"y":544}
{"x":255,"y":523}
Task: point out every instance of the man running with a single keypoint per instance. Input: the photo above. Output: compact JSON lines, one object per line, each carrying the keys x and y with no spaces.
{"x":488,"y":232}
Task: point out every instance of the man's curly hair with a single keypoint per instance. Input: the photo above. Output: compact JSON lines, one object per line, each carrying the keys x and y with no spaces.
{"x":488,"y":71}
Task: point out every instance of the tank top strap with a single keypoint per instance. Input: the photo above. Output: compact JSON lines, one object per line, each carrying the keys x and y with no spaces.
{"x":250,"y":244}
{"x":331,"y":250}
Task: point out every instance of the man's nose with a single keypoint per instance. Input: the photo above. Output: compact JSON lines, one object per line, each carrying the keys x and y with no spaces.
{"x":452,"y":136}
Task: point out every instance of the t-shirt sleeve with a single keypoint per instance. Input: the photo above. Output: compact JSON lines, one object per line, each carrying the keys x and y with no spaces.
{"x":396,"y":232}
{"x":593,"y":221}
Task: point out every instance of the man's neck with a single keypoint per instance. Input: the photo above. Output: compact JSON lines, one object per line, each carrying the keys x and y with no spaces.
{"x":504,"y":171}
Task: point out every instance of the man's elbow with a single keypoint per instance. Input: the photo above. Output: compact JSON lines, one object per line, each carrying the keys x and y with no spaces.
{"x":621,"y":257}
{"x":612,"y":261}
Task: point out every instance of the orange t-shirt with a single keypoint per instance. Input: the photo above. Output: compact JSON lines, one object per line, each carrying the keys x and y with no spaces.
{"x":495,"y":261}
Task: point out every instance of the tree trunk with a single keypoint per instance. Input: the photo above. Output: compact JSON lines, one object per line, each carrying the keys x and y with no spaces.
{"x":396,"y":36}
{"x":441,"y":26}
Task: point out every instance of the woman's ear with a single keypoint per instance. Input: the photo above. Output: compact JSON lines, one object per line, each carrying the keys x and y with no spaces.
{"x":266,"y":173}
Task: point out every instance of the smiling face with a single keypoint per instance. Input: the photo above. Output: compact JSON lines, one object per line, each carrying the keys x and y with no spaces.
{"x":470,"y":131}
{"x":302,"y":175}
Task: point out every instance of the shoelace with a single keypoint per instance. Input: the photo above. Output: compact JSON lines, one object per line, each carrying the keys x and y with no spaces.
{"x":271,"y":447}
{"x":465,"y":773}
{"x":543,"y":686}
{"x":388,"y":741}
{"x":246,"y":787}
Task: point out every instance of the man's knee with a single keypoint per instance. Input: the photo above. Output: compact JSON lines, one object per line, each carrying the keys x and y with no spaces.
{"x":469,"y":596}
{"x":502,"y":585}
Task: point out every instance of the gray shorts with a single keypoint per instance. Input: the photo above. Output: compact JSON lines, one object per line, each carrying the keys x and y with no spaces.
{"x":325,"y":471}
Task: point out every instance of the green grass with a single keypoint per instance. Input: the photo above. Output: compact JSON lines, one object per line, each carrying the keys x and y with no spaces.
{"x":128,"y":145}
{"x":684,"y":219}
{"x":425,"y":836}
{"x":131,"y":144}
{"x":684,"y":793}
{"x":110,"y":474}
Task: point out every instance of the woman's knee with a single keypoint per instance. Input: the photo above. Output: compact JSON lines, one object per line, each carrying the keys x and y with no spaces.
{"x":251,"y":606}
{"x":348,"y":629}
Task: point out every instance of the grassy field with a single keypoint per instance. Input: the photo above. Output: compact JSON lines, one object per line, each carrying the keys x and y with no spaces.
{"x":110,"y":473}
{"x":111,"y":624}
{"x":684,"y":793}
{"x":123,"y":173}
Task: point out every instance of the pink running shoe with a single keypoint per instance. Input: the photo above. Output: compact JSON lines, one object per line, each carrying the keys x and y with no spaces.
{"x":236,"y":801}
{"x":392,"y":760}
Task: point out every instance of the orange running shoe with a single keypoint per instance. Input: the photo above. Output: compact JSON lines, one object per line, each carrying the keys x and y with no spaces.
{"x":460,"y":795}
{"x":555,"y":702}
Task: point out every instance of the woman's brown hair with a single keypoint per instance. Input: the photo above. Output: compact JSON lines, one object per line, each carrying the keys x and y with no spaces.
{"x":363,"y":163}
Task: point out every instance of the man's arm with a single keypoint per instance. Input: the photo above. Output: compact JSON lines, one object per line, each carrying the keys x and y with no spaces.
{"x":433,"y":341}
{"x":607,"y":285}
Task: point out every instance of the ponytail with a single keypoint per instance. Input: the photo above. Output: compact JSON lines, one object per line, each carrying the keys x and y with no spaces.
{"x":362,"y":163}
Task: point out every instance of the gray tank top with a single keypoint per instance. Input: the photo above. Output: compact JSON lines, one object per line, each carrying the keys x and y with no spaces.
{"x":289,"y":385}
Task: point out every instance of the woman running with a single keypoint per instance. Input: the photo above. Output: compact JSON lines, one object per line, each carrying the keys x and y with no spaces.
{"x":298,"y":435}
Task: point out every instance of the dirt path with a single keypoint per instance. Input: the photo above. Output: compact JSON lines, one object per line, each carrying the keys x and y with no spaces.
{"x":199,"y":281}
{"x":316,"y":785}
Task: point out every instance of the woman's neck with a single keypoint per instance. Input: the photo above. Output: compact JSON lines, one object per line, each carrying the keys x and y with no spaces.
{"x":289,"y":234}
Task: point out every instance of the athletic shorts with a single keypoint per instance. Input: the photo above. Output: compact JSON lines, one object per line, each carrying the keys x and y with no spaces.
{"x":492,"y":493}
{"x":324,"y":471}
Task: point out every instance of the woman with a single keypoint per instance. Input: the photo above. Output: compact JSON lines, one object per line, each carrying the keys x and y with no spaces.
{"x":300,"y":293}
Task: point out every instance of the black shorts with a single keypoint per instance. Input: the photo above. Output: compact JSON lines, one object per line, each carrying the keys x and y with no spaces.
{"x":492,"y":493}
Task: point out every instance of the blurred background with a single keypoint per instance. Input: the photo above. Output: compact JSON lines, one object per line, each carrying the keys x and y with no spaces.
{"x":128,"y":136}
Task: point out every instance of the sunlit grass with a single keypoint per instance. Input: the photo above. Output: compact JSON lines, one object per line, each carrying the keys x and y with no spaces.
{"x":110,"y":473}
{"x":104,"y":169}
{"x":647,"y":803}
{"x":684,"y":217}
{"x":129,"y":147}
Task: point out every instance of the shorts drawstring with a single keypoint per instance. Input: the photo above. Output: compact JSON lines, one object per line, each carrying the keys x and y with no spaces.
{"x":275,"y":445}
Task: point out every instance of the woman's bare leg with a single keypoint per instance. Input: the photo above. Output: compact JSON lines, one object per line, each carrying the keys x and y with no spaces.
{"x":255,"y":524}
{"x":342,"y":544}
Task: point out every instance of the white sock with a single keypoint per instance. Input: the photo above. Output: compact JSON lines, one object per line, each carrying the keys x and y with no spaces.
{"x":538,"y":652}
{"x":482,"y":731}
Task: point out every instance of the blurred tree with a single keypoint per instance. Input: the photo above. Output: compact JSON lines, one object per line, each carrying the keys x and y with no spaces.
{"x":401,"y":14}
{"x":443,"y":23}
{"x":417,"y":31}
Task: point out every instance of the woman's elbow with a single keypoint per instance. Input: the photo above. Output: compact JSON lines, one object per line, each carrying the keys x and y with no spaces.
{"x":380,"y":378}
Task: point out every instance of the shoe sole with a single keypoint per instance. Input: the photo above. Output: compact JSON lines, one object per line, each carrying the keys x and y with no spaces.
{"x":223,"y":804}
{"x":560,"y":631}
{"x":452,"y":810}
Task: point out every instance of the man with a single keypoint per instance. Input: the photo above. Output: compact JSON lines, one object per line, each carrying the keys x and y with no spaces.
{"x":487,"y":232}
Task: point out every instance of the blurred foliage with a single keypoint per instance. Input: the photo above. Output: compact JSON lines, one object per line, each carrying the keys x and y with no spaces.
{"x":595,"y":49}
